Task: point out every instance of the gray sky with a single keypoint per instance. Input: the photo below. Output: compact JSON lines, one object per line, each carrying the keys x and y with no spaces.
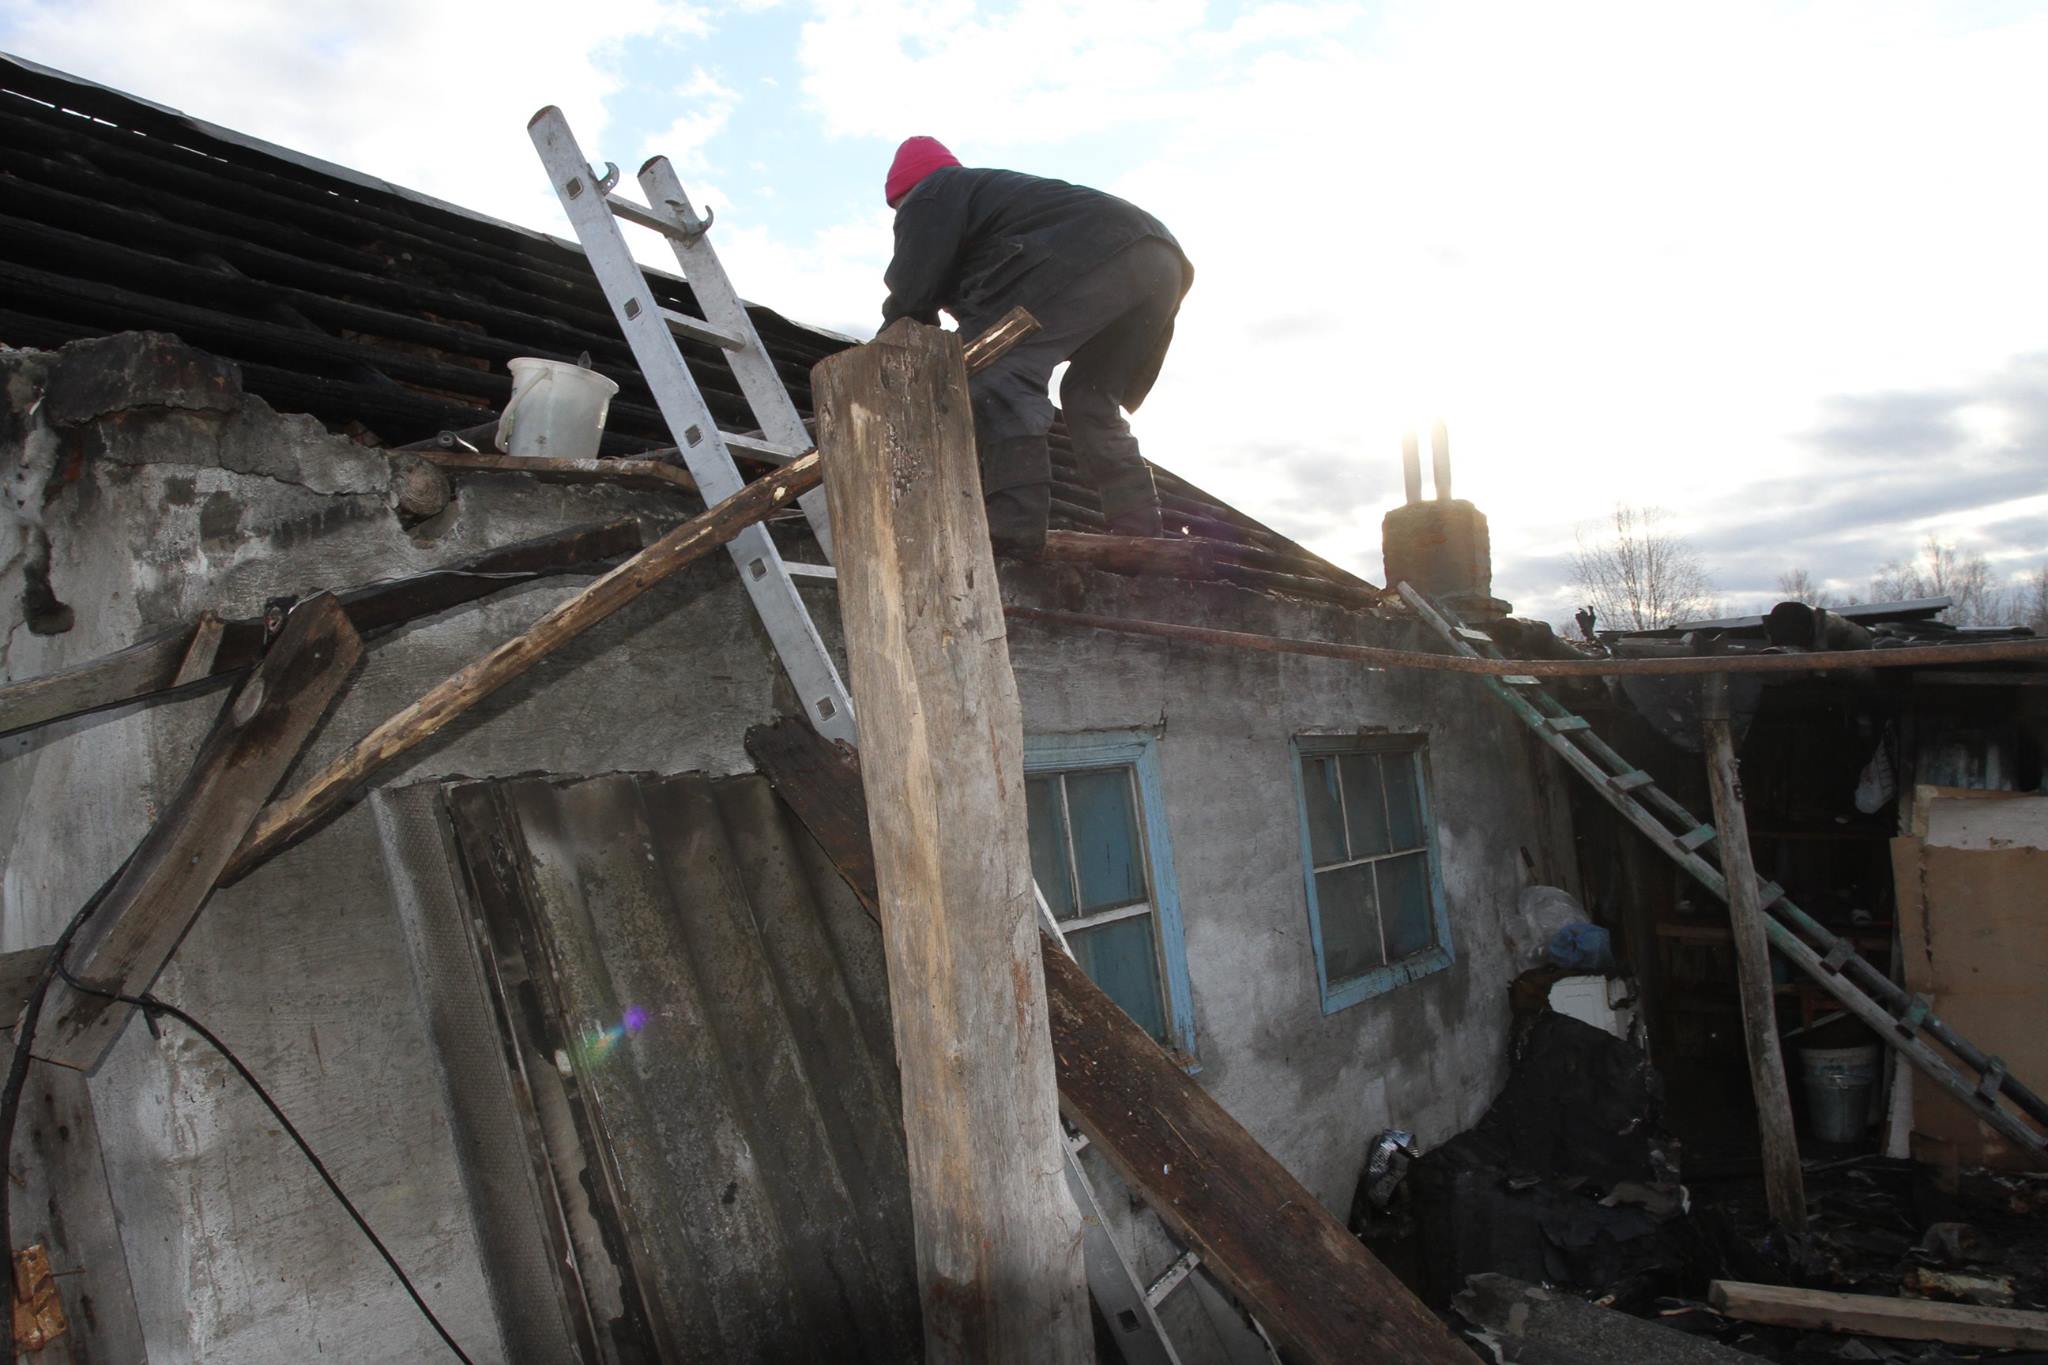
{"x":1777,"y":268}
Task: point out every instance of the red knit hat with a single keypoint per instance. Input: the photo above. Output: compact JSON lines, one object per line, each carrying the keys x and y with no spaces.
{"x":917,"y":158}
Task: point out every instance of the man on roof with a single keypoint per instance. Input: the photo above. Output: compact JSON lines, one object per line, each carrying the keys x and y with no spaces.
{"x":1104,"y":279}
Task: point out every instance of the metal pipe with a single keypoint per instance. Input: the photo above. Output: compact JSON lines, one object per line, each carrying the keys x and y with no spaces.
{"x":1411,"y":468}
{"x":1440,"y":459}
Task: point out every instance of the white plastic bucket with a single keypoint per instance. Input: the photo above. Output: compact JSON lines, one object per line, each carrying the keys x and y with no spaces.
{"x":1838,"y":1085}
{"x":557,"y":409}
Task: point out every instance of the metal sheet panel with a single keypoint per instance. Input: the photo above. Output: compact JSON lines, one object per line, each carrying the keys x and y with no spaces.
{"x":722,"y":1034}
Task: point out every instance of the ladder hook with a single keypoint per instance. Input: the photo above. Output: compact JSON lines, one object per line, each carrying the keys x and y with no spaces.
{"x":609,"y":180}
{"x":693,"y":228}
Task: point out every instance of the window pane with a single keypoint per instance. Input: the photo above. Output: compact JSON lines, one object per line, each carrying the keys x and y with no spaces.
{"x":1364,"y":811}
{"x":1049,"y":845}
{"x":1105,"y":826}
{"x":1404,"y":807}
{"x":1351,"y":922}
{"x":1121,"y":959}
{"x":1325,"y":817}
{"x":1404,"y":899}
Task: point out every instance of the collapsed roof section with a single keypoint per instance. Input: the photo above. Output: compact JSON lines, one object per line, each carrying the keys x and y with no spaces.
{"x":387,"y":314}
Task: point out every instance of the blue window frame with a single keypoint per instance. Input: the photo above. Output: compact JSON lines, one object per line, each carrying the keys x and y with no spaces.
{"x":1100,"y":851}
{"x":1368,"y":848}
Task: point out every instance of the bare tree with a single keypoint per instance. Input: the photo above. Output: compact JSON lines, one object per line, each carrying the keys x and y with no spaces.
{"x":2033,"y":601}
{"x":1797,"y":585}
{"x":1944,"y":571}
{"x":1641,"y":577}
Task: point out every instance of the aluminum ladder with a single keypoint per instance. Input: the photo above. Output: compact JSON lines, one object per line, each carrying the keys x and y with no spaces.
{"x":595,"y":210}
{"x":1907,"y":1022}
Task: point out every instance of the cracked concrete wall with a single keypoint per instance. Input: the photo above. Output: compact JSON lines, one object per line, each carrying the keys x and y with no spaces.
{"x":169,"y":492}
{"x":1312,"y":1087}
{"x":160,"y":490}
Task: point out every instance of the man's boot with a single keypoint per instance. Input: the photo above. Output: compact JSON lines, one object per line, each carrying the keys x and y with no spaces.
{"x":1130,"y":503}
{"x":1016,"y":486}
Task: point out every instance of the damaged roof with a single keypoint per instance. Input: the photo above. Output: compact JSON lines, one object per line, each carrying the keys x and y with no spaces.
{"x":387,"y":314}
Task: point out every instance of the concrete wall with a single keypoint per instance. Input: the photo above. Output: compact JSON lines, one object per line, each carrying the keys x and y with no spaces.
{"x":162,"y":491}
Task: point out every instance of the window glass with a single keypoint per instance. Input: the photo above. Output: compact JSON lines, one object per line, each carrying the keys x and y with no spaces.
{"x":1049,"y":845}
{"x":1325,"y":810}
{"x":1351,"y":924}
{"x":1404,"y":901}
{"x":1404,"y":806}
{"x":1365,"y":811}
{"x":1104,"y":827}
{"x":1122,"y":958}
{"x":1375,"y":905}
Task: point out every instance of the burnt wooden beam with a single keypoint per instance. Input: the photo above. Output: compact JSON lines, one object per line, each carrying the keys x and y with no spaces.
{"x":1784,"y":1181}
{"x":160,"y":666}
{"x":325,"y":792}
{"x":260,"y":731}
{"x":633,"y":473}
{"x":1000,"y":1273}
{"x":1872,"y":1315}
{"x":18,"y":972}
{"x":1910,"y":656}
{"x":1314,"y":1288}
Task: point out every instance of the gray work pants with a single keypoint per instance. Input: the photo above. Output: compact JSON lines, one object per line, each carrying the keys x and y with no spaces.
{"x":1109,"y":323}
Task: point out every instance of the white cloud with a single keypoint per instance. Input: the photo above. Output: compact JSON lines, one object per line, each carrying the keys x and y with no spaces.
{"x":1034,"y":73}
{"x":707,"y":105}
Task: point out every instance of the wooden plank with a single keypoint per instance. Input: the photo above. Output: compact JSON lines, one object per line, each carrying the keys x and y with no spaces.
{"x":1784,"y":1184}
{"x":18,"y":973}
{"x":60,"y":1198}
{"x":258,"y":735}
{"x":1956,"y":1324}
{"x":1315,"y":1289}
{"x":627,"y":471}
{"x":320,"y":796}
{"x":165,"y":664}
{"x":200,"y":653}
{"x":998,"y":1237}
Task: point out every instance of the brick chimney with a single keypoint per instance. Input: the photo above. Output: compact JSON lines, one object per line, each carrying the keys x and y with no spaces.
{"x":1440,"y":546}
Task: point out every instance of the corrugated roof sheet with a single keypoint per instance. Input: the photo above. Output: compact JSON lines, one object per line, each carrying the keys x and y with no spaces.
{"x":722,"y":1026}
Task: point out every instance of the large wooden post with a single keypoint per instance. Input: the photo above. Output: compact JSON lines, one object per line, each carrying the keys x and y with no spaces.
{"x":998,"y":1237}
{"x":1784,"y":1184}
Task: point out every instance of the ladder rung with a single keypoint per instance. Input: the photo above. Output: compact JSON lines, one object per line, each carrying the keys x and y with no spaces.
{"x":1913,"y":1015}
{"x":1565,"y":725}
{"x":645,"y":217}
{"x":1838,"y":957}
{"x":798,"y":569}
{"x":1471,"y":636}
{"x":1993,"y":1081}
{"x":1694,"y":839}
{"x":1768,"y":894}
{"x":1520,"y":680}
{"x":754,"y":448}
{"x":1633,"y":780}
{"x":699,"y":330}
{"x":1171,"y":1280}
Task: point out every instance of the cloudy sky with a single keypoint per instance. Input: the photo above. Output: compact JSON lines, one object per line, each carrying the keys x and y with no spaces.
{"x":1777,"y":268}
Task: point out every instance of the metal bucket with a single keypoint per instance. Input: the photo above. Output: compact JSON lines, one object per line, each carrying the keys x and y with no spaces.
{"x":1838,"y":1085}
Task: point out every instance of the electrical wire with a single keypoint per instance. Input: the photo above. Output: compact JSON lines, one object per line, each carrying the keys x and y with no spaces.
{"x":153,"y":1007}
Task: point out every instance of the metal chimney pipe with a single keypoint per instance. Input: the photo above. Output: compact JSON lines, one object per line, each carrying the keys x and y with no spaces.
{"x":1411,"y":468}
{"x":1440,"y":459}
